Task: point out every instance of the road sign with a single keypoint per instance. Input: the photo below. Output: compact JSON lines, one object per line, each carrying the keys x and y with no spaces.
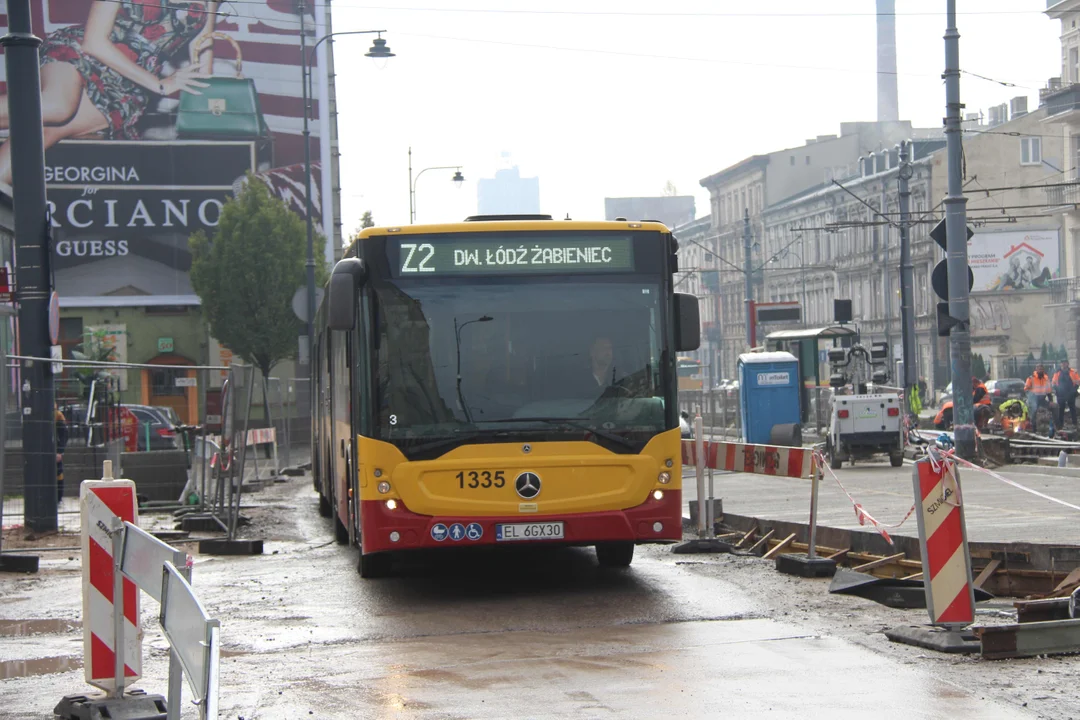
{"x":438,"y":532}
{"x":54,"y":318}
{"x":940,"y":279}
{"x":457,"y":531}
{"x":6,"y":293}
{"x":939,"y":236}
{"x":299,"y":302}
{"x":474,"y":531}
{"x":950,"y":598}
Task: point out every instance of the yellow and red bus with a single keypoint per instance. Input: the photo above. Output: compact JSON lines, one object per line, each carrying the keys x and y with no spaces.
{"x":502,"y":380}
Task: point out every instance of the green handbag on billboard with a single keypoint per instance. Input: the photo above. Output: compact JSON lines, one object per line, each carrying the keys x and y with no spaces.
{"x":227,"y":109}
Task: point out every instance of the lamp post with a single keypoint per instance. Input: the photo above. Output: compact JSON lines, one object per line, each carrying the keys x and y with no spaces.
{"x":378,"y":49}
{"x":457,"y":339}
{"x":457,"y":179}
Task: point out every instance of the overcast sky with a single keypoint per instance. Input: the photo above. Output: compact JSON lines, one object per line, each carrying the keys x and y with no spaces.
{"x":605,"y":99}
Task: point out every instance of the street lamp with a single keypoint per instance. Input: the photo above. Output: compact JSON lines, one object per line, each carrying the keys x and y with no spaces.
{"x":378,"y":50}
{"x":457,"y":339}
{"x":457,"y":179}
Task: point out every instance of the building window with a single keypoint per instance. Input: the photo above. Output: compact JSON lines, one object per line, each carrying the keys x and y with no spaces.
{"x":1074,"y":63}
{"x":792,"y":159}
{"x":807,"y":159}
{"x":1031,"y":151}
{"x":163,"y":381}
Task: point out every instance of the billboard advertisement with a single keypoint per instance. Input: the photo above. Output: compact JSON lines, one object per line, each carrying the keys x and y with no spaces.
{"x":1018,"y":260}
{"x":154,"y":111}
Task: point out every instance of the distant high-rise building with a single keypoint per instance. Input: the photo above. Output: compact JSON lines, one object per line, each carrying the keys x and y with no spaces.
{"x":672,"y":210}
{"x":508,"y":194}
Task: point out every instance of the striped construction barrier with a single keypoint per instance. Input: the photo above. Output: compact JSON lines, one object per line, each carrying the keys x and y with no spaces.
{"x":746,"y":458}
{"x":100,"y":501}
{"x":950,"y":595}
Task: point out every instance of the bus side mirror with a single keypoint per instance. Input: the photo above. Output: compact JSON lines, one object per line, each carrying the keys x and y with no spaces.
{"x":345,"y":283}
{"x":687,"y":322}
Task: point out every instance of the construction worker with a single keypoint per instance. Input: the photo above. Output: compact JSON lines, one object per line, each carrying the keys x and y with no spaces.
{"x":1038,"y":388}
{"x":1066,"y":382}
{"x":61,"y":446}
{"x":980,"y":400}
{"x":1014,"y":415}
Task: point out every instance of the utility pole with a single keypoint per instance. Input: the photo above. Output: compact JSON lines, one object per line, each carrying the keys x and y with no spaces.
{"x":33,"y":271}
{"x":907,"y":280}
{"x":309,"y":264}
{"x":956,"y":241}
{"x":748,"y":272}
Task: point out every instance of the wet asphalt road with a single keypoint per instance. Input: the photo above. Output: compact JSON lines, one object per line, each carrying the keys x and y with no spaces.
{"x":515,"y":633}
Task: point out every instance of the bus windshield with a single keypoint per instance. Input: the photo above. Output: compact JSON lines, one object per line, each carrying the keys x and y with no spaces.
{"x":503,"y":358}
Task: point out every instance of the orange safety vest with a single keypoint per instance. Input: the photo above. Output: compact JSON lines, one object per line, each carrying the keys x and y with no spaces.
{"x":985,"y":399}
{"x":1037,"y":385}
{"x":1072,"y":373}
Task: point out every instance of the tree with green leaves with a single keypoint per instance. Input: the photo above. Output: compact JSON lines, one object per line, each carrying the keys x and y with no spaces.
{"x":978,"y":366}
{"x":247,"y":274}
{"x":366,"y":220}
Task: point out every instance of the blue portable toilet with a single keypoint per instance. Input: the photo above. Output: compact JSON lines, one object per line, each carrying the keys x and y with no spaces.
{"x":768,"y":393}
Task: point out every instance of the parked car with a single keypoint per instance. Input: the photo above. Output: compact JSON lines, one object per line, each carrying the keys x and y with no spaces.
{"x":1005,"y":389}
{"x":153,"y":424}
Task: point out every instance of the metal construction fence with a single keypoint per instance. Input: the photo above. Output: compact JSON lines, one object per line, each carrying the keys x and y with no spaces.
{"x":160,"y":426}
{"x":720,"y":409}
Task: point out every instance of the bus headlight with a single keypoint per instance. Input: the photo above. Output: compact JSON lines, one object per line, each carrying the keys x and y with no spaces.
{"x":664,"y":478}
{"x":384,"y":487}
{"x":658,"y":494}
{"x":391,"y":504}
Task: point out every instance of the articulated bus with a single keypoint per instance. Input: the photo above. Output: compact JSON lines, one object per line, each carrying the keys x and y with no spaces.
{"x":502,"y":380}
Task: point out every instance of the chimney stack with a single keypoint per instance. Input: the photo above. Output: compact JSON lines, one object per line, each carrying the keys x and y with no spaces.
{"x":888,"y":103}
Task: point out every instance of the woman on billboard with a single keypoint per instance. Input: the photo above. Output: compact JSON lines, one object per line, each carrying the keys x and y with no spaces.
{"x":100,"y":76}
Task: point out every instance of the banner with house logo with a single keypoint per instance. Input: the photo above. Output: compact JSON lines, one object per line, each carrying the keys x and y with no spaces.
{"x":1016,"y":260}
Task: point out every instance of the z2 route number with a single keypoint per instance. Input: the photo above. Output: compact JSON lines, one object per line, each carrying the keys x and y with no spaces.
{"x":422,"y":254}
{"x":480,"y":479}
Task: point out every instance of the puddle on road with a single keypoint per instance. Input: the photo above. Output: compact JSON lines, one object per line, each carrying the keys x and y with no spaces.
{"x":22,"y":628}
{"x":38,"y":666}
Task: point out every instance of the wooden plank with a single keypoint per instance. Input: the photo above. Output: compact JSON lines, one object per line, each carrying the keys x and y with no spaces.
{"x":1071,"y":579}
{"x":916,"y":576}
{"x":725,"y":536}
{"x":744,"y":538}
{"x":764,"y":539}
{"x":990,"y":569}
{"x":779,"y":546}
{"x":839,"y":555}
{"x":879,"y":562}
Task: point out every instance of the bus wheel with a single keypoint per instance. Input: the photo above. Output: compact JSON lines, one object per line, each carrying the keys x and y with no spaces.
{"x":324,"y":506}
{"x":374,"y":565}
{"x":615,"y":555}
{"x":341,"y":533}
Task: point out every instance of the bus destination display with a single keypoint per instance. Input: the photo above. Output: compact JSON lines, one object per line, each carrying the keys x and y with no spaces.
{"x":545,"y":255}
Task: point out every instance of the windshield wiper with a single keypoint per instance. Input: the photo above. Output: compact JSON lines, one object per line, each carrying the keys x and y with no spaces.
{"x":575,"y":423}
{"x":461,"y":436}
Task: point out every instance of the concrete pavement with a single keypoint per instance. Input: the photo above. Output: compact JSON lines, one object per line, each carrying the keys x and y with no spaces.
{"x":995,"y":511}
{"x":512,"y":632}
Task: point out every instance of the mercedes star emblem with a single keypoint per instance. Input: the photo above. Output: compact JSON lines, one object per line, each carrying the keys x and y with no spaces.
{"x":527,"y":485}
{"x":526,"y":448}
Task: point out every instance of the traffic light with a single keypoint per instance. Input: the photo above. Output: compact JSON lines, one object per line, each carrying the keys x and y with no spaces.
{"x":940,"y":282}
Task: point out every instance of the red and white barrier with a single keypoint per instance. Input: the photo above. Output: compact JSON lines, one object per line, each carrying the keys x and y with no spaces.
{"x":758,"y":459}
{"x":101,"y":500}
{"x":950,"y":594}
